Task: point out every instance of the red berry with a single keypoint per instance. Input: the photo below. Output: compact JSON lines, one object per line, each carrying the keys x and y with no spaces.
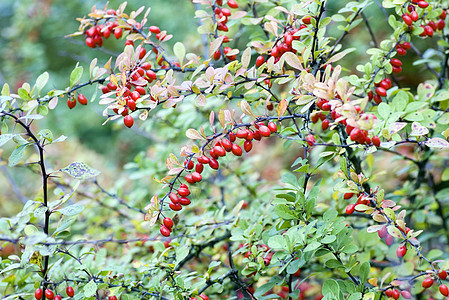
{"x":129,"y":121}
{"x":236,"y":150}
{"x":273,"y":127}
{"x":441,"y":24}
{"x":154,"y":29}
{"x":226,"y":12}
{"x":423,"y":4}
{"x":355,"y":134}
{"x":348,"y":195}
{"x":442,"y":274}
{"x":389,"y":293}
{"x":396,"y":294}
{"x":232,"y":4}
{"x":202,"y":296}
{"x":247,"y":145}
{"x":118,"y":32}
{"x":217,"y":55}
{"x":142,"y":52}
{"x":183,"y":192}
{"x":350,"y":209}
{"x":396,"y":62}
{"x":189,"y":178}
{"x":264,"y":131}
{"x":71,"y":102}
{"x":90,"y":42}
{"x":242,"y":133}
{"x":203,"y":159}
{"x":383,"y":232}
{"x":112,"y":298}
{"x":58,"y":297}
{"x":381,"y":91}
{"x":401,"y":51}
{"x":38,"y":294}
{"x":407,"y":19}
{"x":168,"y":223}
{"x":401,"y":251}
{"x":184,"y":201}
{"x":376,"y":141}
{"x":397,"y":69}
{"x":444,"y":290}
{"x":213,"y":163}
{"x":307,"y":20}
{"x":227,"y":145}
{"x":199,"y":167}
{"x":406,"y":294}
{"x":175,"y":206}
{"x":189,"y":165}
{"x":260,"y":60}
{"x":406,"y":45}
{"x":49,"y":294}
{"x":427,"y":283}
{"x":197,"y":176}
{"x":173,"y":197}
{"x":310,"y":139}
{"x":219,"y":151}
{"x":428,"y":30}
{"x":70,"y":292}
{"x":414,"y":16}
{"x":325,"y":124}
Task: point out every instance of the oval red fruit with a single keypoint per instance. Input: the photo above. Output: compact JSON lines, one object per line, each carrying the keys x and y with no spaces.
{"x":350,"y":209}
{"x":128,"y":121}
{"x":273,"y":127}
{"x":38,"y":294}
{"x":442,"y":274}
{"x":82,"y":99}
{"x":236,"y":150}
{"x":168,"y":223}
{"x":197,"y":176}
{"x":260,"y":60}
{"x":49,"y":294}
{"x":264,"y":131}
{"x":183,"y":192}
{"x":401,"y":251}
{"x":175,"y":206}
{"x":427,"y":283}
{"x":232,"y":4}
{"x":213,"y":163}
{"x":70,"y":292}
{"x":444,"y":290}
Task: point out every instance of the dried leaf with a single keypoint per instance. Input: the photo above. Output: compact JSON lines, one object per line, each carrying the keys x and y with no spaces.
{"x":194,"y":134}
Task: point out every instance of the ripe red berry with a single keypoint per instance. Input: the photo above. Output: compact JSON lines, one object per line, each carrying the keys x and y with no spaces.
{"x":128,"y":121}
{"x":401,"y":51}
{"x":118,"y":32}
{"x":236,"y":150}
{"x":428,"y":30}
{"x":383,"y":232}
{"x":142,"y":52}
{"x":154,"y":29}
{"x":71,"y":102}
{"x":184,"y":201}
{"x":175,"y":206}
{"x":247,"y":145}
{"x":273,"y":127}
{"x":444,"y":290}
{"x":58,"y":297}
{"x":242,"y":133}
{"x":396,"y":294}
{"x":427,"y":283}
{"x":197,"y":177}
{"x":49,"y":294}
{"x":401,"y":251}
{"x":407,"y":19}
{"x":90,"y":42}
{"x":423,"y":4}
{"x":381,"y":91}
{"x":217,"y":55}
{"x":264,"y":131}
{"x":310,"y":139}
{"x":389,"y":293}
{"x":202,"y":296}
{"x":396,"y":62}
{"x":213,"y":163}
{"x":406,"y":294}
{"x":112,"y":298}
{"x":376,"y":141}
{"x":38,"y":294}
{"x":325,"y":124}
{"x":199,"y":167}
{"x":406,"y":45}
{"x":70,"y":292}
{"x":168,"y":223}
{"x":173,"y":197}
{"x":414,"y":16}
{"x":442,"y":274}
{"x":350,"y":209}
{"x":227,"y":145}
{"x":307,"y":20}
{"x":260,"y":60}
{"x":164,"y":230}
{"x":232,"y":4}
{"x":219,"y":151}
{"x":203,"y":159}
{"x":183,"y":192}
{"x":348,"y":195}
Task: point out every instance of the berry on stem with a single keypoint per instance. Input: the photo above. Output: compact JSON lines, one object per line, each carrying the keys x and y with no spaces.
{"x":70,"y":292}
{"x":38,"y":294}
{"x":128,"y":121}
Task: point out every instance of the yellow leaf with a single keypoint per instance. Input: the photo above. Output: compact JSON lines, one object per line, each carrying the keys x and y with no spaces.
{"x":282,"y":107}
{"x":194,"y":134}
{"x":246,"y":108}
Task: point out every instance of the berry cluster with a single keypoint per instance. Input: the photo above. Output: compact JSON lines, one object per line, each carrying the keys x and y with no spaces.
{"x":442,"y":275}
{"x":49,"y":294}
{"x":411,"y":16}
{"x":383,"y":86}
{"x":356,"y":134}
{"x":226,"y":144}
{"x":95,"y":34}
{"x":222,"y":14}
{"x":71,"y":102}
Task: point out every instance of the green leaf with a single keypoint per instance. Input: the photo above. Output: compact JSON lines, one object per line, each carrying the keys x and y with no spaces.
{"x":23,"y":94}
{"x":277,"y":242}
{"x":284,"y":212}
{"x":179,"y":51}
{"x":330,"y":287}
{"x":75,"y":76}
{"x":4,"y":138}
{"x":5,"y":90}
{"x":80,"y":170}
{"x":90,"y":288}
{"x":71,"y":210}
{"x":181,"y":253}
{"x":364,"y":271}
{"x":312,"y":246}
{"x":41,"y":81}
{"x":16,"y":155}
